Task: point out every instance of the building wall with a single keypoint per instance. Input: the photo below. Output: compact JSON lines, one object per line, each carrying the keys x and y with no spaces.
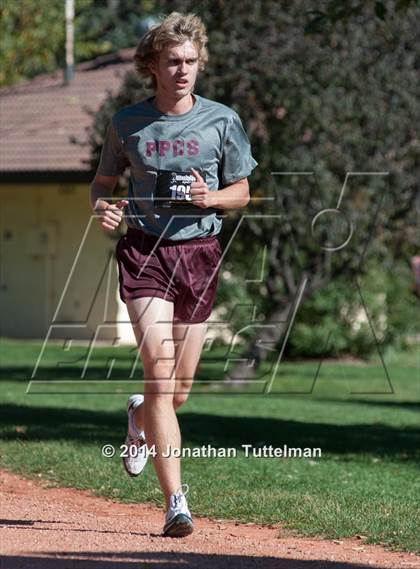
{"x":57,"y":267}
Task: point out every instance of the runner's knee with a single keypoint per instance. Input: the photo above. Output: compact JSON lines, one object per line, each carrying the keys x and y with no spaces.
{"x":182,"y":390}
{"x":179,"y":399}
{"x":159,"y":364}
{"x":159,"y":392}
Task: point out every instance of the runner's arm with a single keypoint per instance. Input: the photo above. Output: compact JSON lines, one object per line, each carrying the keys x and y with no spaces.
{"x":101,"y":191}
{"x":232,"y":196}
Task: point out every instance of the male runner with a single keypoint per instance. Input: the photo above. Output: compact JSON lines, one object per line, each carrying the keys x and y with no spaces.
{"x":182,"y":149}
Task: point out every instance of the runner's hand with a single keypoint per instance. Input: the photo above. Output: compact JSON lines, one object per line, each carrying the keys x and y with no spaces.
{"x":110,"y":215}
{"x":201,"y":196}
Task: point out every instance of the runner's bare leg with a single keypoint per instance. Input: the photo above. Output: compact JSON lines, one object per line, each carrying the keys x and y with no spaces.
{"x":151,"y":319}
{"x":188,"y":339}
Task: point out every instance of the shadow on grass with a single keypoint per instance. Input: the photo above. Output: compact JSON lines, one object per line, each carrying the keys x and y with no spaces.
{"x":167,"y":559}
{"x":52,"y":423}
{"x":406,"y":405}
{"x":120,"y":372}
{"x":94,"y":372}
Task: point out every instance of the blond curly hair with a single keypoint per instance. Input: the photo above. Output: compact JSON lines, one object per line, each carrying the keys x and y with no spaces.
{"x":174,"y":29}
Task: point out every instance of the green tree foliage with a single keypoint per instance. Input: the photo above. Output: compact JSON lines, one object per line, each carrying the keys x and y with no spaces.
{"x":32,"y":33}
{"x":329,"y":13}
{"x":106,"y":27}
{"x":31,"y":38}
{"x":329,"y":102}
{"x":344,"y":320}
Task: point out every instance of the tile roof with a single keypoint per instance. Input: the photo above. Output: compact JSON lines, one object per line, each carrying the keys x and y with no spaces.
{"x":39,"y":118}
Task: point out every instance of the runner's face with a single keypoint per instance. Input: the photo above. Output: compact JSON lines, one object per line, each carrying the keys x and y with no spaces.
{"x":177,"y":70}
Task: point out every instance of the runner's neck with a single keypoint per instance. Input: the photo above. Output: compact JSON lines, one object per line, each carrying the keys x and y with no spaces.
{"x":179,"y":108}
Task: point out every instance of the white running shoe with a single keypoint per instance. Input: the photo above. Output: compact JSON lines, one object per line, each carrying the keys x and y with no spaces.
{"x":136,"y":452}
{"x":178,"y":521}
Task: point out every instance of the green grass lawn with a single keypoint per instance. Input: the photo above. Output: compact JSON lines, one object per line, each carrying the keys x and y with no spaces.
{"x":365,"y":418}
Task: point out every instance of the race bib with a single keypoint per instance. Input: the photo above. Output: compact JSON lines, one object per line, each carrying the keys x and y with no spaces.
{"x":173,"y":189}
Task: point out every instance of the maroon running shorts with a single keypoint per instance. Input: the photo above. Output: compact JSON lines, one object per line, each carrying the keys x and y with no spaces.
{"x":184,"y":272}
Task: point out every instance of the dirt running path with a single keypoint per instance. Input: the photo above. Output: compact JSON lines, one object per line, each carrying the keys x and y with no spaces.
{"x":62,"y":528}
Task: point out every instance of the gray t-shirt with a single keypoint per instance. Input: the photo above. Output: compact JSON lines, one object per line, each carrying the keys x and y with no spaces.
{"x":209,"y":138}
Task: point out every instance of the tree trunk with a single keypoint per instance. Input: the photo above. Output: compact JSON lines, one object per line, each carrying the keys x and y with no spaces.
{"x":266,"y":338}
